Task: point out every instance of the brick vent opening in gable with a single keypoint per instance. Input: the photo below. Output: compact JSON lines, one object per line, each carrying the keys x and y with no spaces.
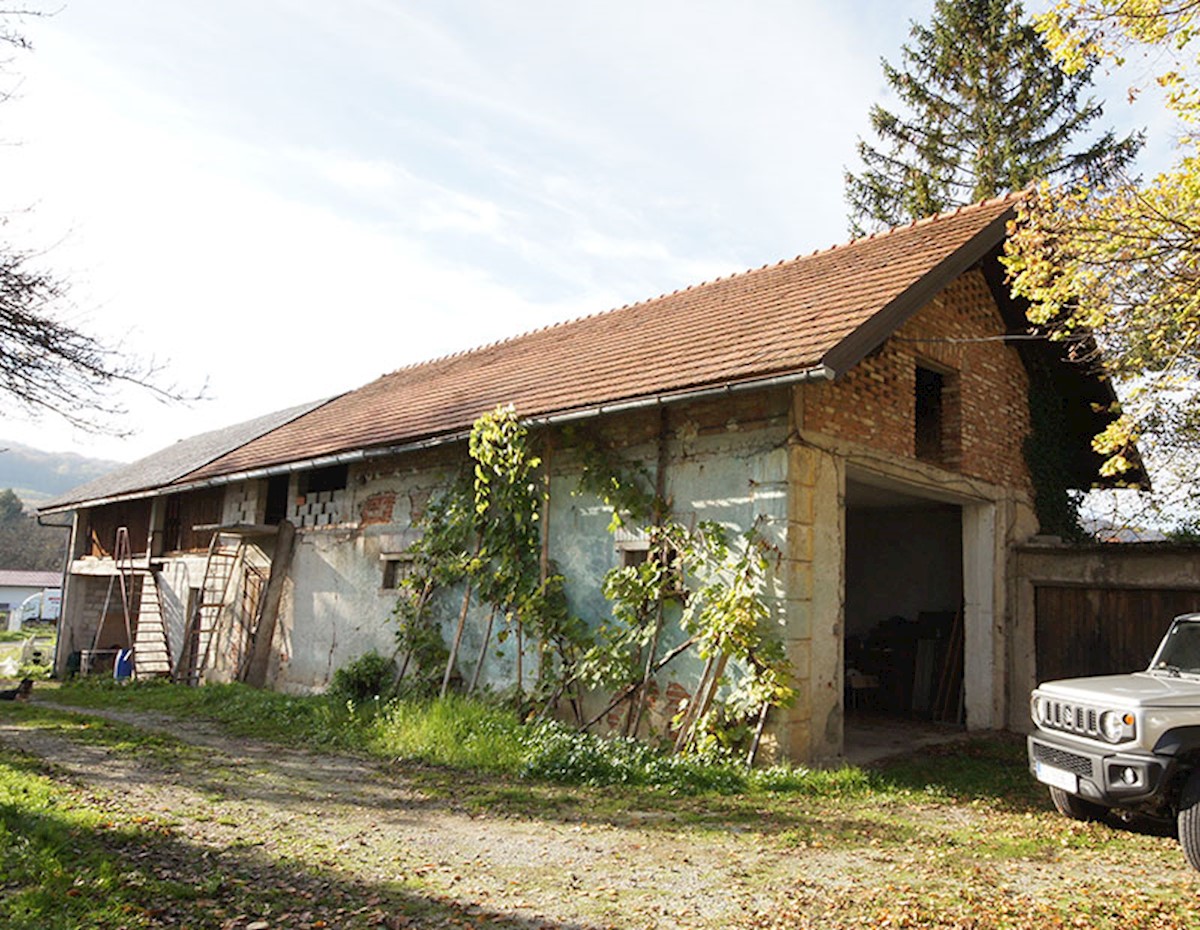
{"x":937,"y":417}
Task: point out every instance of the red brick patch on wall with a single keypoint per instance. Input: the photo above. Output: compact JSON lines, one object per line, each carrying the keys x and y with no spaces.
{"x":377,"y":508}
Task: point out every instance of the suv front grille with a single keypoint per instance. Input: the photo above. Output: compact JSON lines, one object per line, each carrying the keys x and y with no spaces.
{"x":1070,"y":718}
{"x":1061,"y":759}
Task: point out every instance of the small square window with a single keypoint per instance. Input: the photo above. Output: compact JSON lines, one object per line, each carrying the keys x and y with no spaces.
{"x":633,"y":546}
{"x":631,"y":556}
{"x":395,"y":569}
{"x":634,"y":549}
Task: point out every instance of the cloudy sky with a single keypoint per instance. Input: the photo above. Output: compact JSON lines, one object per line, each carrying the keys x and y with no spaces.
{"x":284,"y":199}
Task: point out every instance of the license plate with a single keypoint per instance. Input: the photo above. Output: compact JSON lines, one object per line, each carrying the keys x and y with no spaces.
{"x":1049,"y":775}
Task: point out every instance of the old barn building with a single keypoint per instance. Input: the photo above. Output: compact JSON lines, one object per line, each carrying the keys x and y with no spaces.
{"x":865,"y":402}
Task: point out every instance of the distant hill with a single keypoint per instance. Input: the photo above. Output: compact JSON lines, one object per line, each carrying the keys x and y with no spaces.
{"x":36,"y":476}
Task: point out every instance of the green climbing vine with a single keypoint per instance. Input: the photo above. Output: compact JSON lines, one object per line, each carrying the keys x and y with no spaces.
{"x":730,"y":619}
{"x":622,"y":487}
{"x":482,"y":534}
{"x":716,"y":584}
{"x":1055,"y":501}
{"x":483,"y":537}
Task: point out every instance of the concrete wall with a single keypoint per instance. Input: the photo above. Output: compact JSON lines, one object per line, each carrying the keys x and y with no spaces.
{"x":811,"y":729}
{"x":725,"y":462}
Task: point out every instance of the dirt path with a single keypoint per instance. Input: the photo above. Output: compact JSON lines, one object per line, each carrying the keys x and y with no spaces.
{"x":370,"y":825}
{"x":301,"y":817}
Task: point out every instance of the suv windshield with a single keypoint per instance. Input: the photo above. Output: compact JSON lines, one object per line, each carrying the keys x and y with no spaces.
{"x":1180,"y":649}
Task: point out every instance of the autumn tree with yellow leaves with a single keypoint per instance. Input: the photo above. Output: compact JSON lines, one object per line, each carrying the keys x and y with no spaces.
{"x":1119,"y":261}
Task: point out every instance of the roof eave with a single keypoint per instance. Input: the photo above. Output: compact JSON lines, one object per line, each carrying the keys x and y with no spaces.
{"x":809,"y":373}
{"x":871,"y":334}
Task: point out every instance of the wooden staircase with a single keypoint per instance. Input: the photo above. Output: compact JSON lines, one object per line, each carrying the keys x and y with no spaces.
{"x":151,"y":648}
{"x":224,"y":552}
{"x":145,"y":631}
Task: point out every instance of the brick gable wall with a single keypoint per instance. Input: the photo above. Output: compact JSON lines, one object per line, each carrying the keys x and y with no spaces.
{"x":985,"y":389}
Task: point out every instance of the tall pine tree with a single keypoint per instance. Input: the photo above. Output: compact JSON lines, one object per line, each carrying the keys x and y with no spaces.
{"x":987,"y":111}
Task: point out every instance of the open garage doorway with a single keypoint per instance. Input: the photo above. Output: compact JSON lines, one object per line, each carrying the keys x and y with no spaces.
{"x":904,"y":614}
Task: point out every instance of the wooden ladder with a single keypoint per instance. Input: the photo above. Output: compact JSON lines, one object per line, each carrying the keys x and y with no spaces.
{"x":151,"y":648}
{"x":122,"y":576}
{"x":224,"y":551}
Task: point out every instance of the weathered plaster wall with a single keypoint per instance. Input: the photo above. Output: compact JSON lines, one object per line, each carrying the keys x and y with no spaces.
{"x":335,"y":607}
{"x":726,"y":461}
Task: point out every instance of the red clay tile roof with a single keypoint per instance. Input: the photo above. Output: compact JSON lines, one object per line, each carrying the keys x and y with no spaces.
{"x":828,"y":308}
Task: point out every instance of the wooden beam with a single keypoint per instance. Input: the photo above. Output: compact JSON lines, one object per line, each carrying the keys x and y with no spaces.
{"x":264,"y":636}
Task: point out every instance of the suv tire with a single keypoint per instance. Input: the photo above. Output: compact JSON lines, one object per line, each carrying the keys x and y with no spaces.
{"x":1188,"y":823}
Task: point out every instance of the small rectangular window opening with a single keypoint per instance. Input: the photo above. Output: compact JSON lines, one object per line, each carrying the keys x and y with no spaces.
{"x":637,"y":550}
{"x":332,"y":478}
{"x":277,"y":499}
{"x":395,"y":569}
{"x":929,"y":414}
{"x":631,"y":557}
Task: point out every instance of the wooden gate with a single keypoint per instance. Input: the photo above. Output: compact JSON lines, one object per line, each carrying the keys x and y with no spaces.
{"x":1102,"y":631}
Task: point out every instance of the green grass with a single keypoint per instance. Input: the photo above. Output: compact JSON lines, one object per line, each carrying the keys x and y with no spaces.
{"x":167,"y":751}
{"x":990,"y":769}
{"x":71,"y":862}
{"x":481,"y":756}
{"x":60,"y":860}
{"x":929,"y":839}
{"x":457,"y":733}
{"x":31,"y":631}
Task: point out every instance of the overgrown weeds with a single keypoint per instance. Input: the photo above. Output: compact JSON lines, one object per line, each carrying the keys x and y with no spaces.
{"x":477,"y":736}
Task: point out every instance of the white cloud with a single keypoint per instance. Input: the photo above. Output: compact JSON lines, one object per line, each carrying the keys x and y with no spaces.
{"x":292,"y":197}
{"x":361,"y":175}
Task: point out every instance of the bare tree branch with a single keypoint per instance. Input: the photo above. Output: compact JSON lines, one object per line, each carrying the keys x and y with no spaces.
{"x":48,"y":365}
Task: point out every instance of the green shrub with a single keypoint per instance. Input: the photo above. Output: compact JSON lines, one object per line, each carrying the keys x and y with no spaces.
{"x":454,"y":731}
{"x":554,"y":752}
{"x":369,"y":676}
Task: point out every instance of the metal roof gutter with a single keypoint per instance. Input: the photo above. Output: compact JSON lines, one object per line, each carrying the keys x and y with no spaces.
{"x":817,"y":373}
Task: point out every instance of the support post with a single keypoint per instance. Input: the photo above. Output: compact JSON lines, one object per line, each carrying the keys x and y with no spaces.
{"x":264,"y":636}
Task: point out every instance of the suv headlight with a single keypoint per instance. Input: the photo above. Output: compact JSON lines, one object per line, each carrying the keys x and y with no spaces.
{"x":1117,"y":727}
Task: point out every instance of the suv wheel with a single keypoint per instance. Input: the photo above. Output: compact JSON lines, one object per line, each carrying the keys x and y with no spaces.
{"x":1077,"y":808}
{"x":1189,"y":819}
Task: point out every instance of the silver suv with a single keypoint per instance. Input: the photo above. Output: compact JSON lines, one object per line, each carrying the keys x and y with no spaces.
{"x":1129,"y":743}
